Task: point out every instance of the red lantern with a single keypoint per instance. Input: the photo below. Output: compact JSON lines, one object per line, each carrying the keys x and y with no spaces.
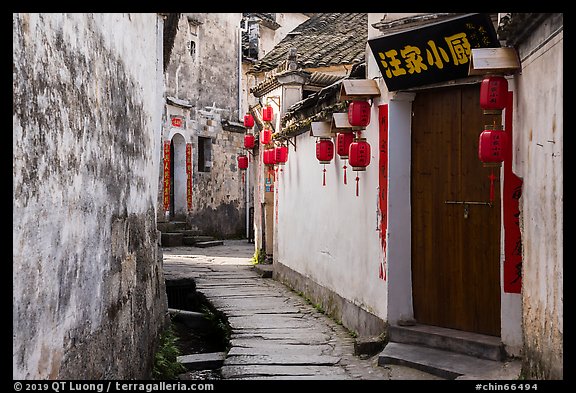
{"x":324,"y":154}
{"x":249,"y":141}
{"x":343,"y":141}
{"x":248,"y":120}
{"x":359,"y":154}
{"x":325,"y":150}
{"x":492,"y":145}
{"x":359,"y":157}
{"x":281,"y":154}
{"x":269,"y":157}
{"x":359,"y":113}
{"x":242,"y":161}
{"x":266,"y":136}
{"x":493,"y":93}
{"x":267,"y":113}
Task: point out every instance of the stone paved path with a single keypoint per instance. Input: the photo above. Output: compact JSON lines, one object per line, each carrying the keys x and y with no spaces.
{"x":276,"y":334}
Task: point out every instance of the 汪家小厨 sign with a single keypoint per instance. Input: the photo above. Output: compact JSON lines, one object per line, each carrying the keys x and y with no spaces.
{"x":433,"y":53}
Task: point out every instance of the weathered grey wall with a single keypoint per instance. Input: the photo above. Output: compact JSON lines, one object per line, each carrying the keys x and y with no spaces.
{"x":88,"y":289}
{"x":209,"y":80}
{"x":539,"y":159}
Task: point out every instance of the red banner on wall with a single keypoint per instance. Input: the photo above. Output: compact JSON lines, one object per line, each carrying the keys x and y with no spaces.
{"x":166,"y":192}
{"x":189,"y":175}
{"x":512,"y":191}
{"x":383,"y":182}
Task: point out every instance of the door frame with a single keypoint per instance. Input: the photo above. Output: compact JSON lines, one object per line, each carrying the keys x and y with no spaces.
{"x":399,"y":236}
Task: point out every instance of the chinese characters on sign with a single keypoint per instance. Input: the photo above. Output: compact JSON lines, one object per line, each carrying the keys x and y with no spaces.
{"x":189,"y":175}
{"x":177,"y":121}
{"x":166,"y":193}
{"x":433,"y":53}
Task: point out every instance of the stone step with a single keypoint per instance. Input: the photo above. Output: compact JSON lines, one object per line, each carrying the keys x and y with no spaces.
{"x":210,"y":243}
{"x":171,"y":226}
{"x":467,"y":343}
{"x":264,"y":270}
{"x":444,"y":364}
{"x":170,"y":239}
{"x":192,"y":240}
{"x":202,"y":361}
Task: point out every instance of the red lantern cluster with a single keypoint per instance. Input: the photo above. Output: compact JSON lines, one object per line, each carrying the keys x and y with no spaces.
{"x":492,"y":145}
{"x":493,"y":94}
{"x":359,"y":113}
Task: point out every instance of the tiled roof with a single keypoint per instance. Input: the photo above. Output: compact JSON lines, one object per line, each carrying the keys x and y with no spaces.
{"x":324,"y":40}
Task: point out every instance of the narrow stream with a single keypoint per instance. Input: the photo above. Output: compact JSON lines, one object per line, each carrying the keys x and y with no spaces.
{"x":200,"y":328}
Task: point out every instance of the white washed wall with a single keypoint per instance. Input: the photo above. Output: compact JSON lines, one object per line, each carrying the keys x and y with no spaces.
{"x":539,"y":159}
{"x":87,"y":284}
{"x":327,"y":233}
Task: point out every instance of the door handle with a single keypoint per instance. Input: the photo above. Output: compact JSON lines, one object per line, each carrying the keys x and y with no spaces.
{"x":468,"y":203}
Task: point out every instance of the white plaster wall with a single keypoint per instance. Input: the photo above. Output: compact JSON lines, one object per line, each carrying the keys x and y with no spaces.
{"x":86,"y":126}
{"x":539,"y":159}
{"x":327,"y":233}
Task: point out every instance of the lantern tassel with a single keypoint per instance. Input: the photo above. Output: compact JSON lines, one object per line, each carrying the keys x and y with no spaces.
{"x":345,"y":173}
{"x":324,"y":176}
{"x":492,"y":177}
{"x":242,"y":176}
{"x":357,"y":180}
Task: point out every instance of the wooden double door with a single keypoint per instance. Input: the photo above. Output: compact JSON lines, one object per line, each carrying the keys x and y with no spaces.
{"x":455,"y":225}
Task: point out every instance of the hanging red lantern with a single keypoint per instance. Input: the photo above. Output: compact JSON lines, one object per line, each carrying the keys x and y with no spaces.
{"x":359,"y":157}
{"x":242,"y":164}
{"x":281,"y":154}
{"x":269,"y":157}
{"x":343,"y":141}
{"x":267,"y":113}
{"x":359,"y":113}
{"x":248,"y":120}
{"x":265,"y":136}
{"x":249,"y":141}
{"x":493,"y":94}
{"x":325,"y":150}
{"x":324,"y":154}
{"x":492,"y":145}
{"x":359,"y":154}
{"x":242,"y":161}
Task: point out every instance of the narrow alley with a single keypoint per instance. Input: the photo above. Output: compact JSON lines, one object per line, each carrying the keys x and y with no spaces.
{"x":276,"y":333}
{"x":345,"y":196}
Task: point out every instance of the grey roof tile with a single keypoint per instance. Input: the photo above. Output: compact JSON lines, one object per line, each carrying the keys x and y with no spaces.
{"x":325,"y":39}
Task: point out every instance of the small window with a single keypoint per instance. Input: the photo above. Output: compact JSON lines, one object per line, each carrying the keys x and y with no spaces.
{"x":193,"y":50}
{"x":204,"y":154}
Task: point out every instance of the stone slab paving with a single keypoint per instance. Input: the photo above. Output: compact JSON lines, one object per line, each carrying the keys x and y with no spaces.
{"x":276,"y":334}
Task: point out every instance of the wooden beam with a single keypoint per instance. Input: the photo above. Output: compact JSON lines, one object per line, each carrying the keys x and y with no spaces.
{"x":500,"y":61}
{"x":357,"y":89}
{"x":340,"y":123}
